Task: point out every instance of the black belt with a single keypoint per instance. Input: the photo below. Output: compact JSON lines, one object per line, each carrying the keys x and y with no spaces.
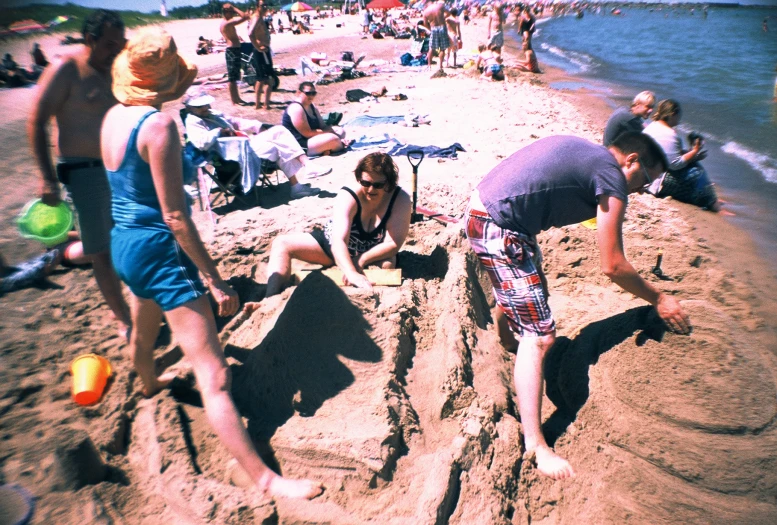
{"x":83,"y":165}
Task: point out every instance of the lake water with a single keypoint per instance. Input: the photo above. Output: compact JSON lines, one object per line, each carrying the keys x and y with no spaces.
{"x":720,"y":67}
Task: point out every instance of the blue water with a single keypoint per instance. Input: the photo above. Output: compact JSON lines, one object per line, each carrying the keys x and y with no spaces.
{"x":721,"y":68}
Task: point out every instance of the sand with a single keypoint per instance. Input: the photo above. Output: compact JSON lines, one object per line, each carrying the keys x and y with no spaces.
{"x":401,"y":401}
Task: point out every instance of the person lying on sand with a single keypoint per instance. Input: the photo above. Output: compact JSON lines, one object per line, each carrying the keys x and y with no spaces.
{"x":157,"y":251}
{"x":34,"y":271}
{"x":369,"y":224}
{"x":557,"y":181}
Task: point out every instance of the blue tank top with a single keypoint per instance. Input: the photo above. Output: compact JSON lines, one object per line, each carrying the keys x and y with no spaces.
{"x":135,"y":203}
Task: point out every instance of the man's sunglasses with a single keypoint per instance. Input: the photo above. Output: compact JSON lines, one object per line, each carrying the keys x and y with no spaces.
{"x":376,"y":185}
{"x":311,"y":93}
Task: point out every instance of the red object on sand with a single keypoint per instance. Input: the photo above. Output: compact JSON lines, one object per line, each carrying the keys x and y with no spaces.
{"x":384,"y":4}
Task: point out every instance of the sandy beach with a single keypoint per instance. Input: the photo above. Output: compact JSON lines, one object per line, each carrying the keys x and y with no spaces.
{"x":401,"y":401}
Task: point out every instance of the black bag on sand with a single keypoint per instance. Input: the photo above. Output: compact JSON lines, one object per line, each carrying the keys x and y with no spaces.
{"x":355,"y":95}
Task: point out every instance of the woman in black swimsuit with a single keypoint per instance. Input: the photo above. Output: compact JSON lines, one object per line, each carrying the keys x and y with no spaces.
{"x":369,"y":224}
{"x":305,"y":123}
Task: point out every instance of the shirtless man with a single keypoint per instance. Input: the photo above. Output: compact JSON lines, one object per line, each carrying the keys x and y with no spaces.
{"x":495,"y":22}
{"x":434,"y":20}
{"x":454,"y":35}
{"x":76,"y":92}
{"x":232,"y":18}
{"x":262,"y":58}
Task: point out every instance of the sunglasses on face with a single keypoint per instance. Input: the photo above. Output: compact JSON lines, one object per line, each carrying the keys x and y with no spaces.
{"x":311,"y":93}
{"x":376,"y":185}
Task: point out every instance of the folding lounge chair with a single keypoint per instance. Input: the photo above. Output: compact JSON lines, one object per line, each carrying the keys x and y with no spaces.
{"x":249,"y":72}
{"x":226,"y":175}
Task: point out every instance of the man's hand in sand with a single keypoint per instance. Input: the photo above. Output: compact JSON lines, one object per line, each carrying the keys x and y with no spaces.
{"x":672,"y":313}
{"x":226,"y":298}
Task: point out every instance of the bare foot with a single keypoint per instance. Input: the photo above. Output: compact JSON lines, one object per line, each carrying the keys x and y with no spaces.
{"x":160,"y":383}
{"x":280,"y":487}
{"x":273,"y":484}
{"x":551,"y":464}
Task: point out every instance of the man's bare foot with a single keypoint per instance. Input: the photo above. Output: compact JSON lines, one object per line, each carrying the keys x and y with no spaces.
{"x":551,"y":464}
{"x":274,"y":485}
{"x":160,"y":383}
{"x":280,"y":487}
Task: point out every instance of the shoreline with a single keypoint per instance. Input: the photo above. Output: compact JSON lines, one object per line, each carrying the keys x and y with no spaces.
{"x":417,"y":368}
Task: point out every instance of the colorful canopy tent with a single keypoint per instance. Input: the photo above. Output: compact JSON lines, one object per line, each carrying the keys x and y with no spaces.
{"x":61,"y":19}
{"x":26,"y":26}
{"x":384,"y":4}
{"x":297,"y":6}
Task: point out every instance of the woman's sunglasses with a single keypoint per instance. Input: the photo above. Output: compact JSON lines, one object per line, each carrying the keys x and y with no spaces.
{"x":376,"y":185}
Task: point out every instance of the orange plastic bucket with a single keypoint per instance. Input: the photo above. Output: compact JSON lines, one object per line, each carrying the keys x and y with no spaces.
{"x":90,"y":374}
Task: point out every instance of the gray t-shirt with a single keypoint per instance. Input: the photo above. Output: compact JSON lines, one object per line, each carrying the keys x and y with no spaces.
{"x":621,"y":121}
{"x":555,"y":181}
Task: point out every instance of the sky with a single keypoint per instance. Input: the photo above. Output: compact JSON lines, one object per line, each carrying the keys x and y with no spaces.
{"x":153,"y":5}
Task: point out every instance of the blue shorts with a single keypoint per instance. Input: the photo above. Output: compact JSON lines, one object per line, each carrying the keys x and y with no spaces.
{"x":153,"y":265}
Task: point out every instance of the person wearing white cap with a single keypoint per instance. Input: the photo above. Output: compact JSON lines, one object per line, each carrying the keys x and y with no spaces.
{"x":204,"y":127}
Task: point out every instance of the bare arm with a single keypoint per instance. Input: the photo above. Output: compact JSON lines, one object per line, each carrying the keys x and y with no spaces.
{"x":53,"y":90}
{"x":253,"y":33}
{"x":397,"y":229}
{"x":342,"y":216}
{"x":609,"y":220}
{"x":158,"y":142}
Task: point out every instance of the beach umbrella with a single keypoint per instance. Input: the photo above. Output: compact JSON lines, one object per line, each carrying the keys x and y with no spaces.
{"x":297,"y":6}
{"x":26,"y":26}
{"x":61,"y":19}
{"x":384,"y":4}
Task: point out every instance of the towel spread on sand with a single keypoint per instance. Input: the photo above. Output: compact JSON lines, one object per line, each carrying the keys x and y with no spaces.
{"x":429,"y":151}
{"x":375,"y":141}
{"x":368,"y":121}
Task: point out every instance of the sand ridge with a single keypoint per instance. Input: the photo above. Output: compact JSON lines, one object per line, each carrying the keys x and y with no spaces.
{"x":401,"y":401}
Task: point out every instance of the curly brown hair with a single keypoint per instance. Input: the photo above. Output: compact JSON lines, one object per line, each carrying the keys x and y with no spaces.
{"x":378,"y":164}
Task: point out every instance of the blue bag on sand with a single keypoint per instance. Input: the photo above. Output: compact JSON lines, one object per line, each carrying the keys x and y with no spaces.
{"x":406,"y":59}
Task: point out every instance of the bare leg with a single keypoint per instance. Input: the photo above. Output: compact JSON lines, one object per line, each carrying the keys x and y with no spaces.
{"x":110,"y":286}
{"x":146,"y":318}
{"x":195,"y":329}
{"x":506,"y":336}
{"x":529,"y":383}
{"x":300,"y":246}
{"x":258,"y":94}
{"x":324,"y":143}
{"x":267,"y":92}
{"x":234,"y":94}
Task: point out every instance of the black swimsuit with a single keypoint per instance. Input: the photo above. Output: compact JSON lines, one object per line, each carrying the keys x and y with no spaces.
{"x":359,"y":240}
{"x":288,"y":124}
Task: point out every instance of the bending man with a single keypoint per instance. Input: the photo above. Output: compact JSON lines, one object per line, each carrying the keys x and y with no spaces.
{"x":554,"y":182}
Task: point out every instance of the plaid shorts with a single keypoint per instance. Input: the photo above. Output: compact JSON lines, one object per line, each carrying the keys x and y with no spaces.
{"x":440,"y":40}
{"x":513,"y":262}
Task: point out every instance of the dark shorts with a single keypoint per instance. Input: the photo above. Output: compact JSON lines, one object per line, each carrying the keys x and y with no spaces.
{"x":320,"y":236}
{"x":153,"y":265}
{"x":513,"y":263}
{"x":90,"y":193}
{"x":262,"y":62}
{"x":233,"y":57}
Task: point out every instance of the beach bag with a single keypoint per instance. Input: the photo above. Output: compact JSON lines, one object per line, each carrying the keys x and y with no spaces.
{"x":355,"y":95}
{"x":376,"y":35}
{"x":406,"y":59}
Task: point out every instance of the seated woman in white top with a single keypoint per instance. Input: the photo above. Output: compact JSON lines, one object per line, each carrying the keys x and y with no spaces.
{"x":686,"y":181}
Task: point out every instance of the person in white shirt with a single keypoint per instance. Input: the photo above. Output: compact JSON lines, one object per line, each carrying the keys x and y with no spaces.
{"x":204,"y":127}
